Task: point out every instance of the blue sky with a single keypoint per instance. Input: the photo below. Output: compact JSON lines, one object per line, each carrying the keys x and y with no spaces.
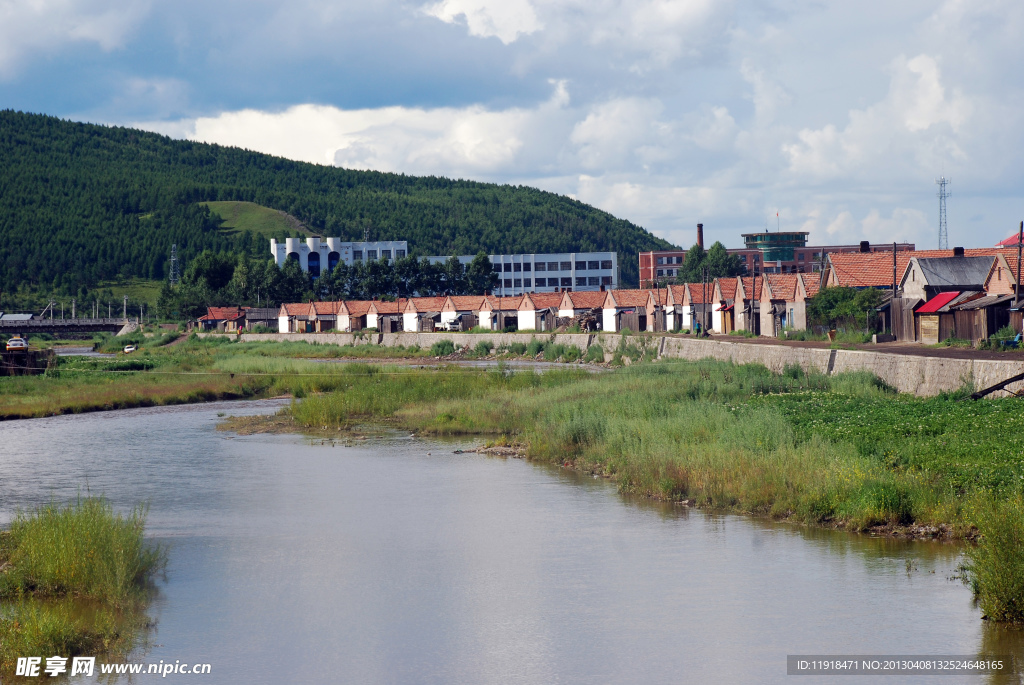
{"x":838,"y":116}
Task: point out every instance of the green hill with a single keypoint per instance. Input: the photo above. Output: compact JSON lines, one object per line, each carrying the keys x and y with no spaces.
{"x":248,"y":216}
{"x":81,"y":204}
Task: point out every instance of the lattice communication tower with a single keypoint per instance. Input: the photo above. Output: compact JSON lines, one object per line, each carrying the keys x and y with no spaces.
{"x":175,"y":276}
{"x":942,"y":182}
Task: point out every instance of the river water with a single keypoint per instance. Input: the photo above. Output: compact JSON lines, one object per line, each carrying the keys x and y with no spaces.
{"x":397,"y":561}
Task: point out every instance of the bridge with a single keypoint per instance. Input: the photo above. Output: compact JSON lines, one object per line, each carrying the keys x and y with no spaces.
{"x":66,"y":328}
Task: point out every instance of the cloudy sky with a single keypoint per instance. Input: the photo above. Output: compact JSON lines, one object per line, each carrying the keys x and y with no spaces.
{"x":838,"y":116}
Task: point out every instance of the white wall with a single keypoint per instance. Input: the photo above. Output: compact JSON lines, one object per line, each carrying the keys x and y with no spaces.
{"x":409,"y":321}
{"x":527,"y":319}
{"x":448,"y":317}
{"x":282,"y":324}
{"x":608,"y":322}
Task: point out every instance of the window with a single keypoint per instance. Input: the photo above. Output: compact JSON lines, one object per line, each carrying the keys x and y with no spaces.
{"x":527,"y":266}
{"x":542,"y":282}
{"x":527,"y":283}
{"x":606,"y":280}
{"x":566,"y":282}
{"x":581,"y":281}
{"x":606,"y":264}
{"x":581,"y":266}
{"x":743,"y":257}
{"x":399,"y":254}
{"x":552,"y":266}
{"x":566,"y":266}
{"x":661,"y":272}
{"x":517,"y":267}
{"x":357,"y":255}
{"x":679,"y":260}
{"x":518,"y":283}
{"x":508,"y":282}
{"x":385,"y":254}
{"x":800,"y":256}
{"x":507,"y":267}
{"x":371,"y":255}
{"x":661,"y":260}
{"x":542,"y":266}
{"x":593,"y":266}
{"x":593,"y":280}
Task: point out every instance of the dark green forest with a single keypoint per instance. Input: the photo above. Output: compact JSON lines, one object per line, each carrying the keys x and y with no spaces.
{"x":82,"y":203}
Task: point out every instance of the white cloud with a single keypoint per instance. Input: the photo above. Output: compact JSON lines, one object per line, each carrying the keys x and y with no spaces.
{"x":46,"y":25}
{"x":505,"y":20}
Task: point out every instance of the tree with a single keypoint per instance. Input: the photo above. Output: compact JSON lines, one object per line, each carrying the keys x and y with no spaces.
{"x":692,"y":265}
{"x":721,"y":264}
{"x":455,"y":282}
{"x":480,"y":274}
{"x":835,"y":306}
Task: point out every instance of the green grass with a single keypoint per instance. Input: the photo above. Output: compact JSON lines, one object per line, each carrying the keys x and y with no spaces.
{"x":75,"y":580}
{"x":249,"y":216}
{"x":137,"y":289}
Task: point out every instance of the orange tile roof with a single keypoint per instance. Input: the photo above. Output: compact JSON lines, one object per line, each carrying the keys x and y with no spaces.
{"x":295,"y":308}
{"x":631,"y":298}
{"x":358,"y":307}
{"x":221,"y":314}
{"x":696,"y":293}
{"x":752,"y":287}
{"x":324,"y":308}
{"x":812,"y":284}
{"x":384,"y":307}
{"x":504,"y":303}
{"x":587,"y":300}
{"x":874,"y":269}
{"x":678,"y":293}
{"x":471,"y":303}
{"x":541,"y":300}
{"x":727,"y":286}
{"x":783,"y":286}
{"x":427,"y":304}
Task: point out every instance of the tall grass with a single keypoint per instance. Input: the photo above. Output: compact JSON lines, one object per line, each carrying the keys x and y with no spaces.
{"x":83,"y":549}
{"x":75,"y":580}
{"x":995,"y":567}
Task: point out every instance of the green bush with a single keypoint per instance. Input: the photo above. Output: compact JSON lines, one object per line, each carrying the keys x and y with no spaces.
{"x":995,"y":567}
{"x":535,"y":347}
{"x":442,"y":348}
{"x":483,"y":348}
{"x":595,"y":353}
{"x":517,"y":348}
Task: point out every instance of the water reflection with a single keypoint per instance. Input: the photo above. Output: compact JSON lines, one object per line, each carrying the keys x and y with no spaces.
{"x":398,"y":561}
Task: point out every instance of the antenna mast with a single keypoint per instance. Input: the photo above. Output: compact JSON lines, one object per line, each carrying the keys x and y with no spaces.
{"x":942,"y":182}
{"x":174,"y":276}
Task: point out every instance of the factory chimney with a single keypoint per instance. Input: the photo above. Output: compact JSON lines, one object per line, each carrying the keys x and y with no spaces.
{"x":700,"y":234}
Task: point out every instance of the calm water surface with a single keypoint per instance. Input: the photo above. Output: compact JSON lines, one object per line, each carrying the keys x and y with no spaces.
{"x":397,"y":561}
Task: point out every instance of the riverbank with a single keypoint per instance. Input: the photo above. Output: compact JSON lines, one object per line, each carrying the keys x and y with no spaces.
{"x":842,"y":451}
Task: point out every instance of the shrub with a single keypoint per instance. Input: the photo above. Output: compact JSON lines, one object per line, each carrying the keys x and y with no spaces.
{"x":483,"y":348}
{"x":595,"y":353}
{"x":995,"y":567}
{"x":626,"y":331}
{"x":442,"y":348}
{"x":517,"y":348}
{"x":534,"y":348}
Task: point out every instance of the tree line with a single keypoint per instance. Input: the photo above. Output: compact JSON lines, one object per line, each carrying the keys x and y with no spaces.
{"x":226,"y":279}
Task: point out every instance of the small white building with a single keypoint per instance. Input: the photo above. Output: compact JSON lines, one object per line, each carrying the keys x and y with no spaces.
{"x":316,"y":254}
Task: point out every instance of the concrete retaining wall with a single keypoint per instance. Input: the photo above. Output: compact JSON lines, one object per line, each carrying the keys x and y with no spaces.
{"x":922,"y":376}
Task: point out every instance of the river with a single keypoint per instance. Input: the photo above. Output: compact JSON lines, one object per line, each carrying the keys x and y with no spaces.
{"x":396,"y":560}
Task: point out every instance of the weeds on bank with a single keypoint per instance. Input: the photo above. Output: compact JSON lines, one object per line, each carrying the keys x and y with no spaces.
{"x":74,"y":580}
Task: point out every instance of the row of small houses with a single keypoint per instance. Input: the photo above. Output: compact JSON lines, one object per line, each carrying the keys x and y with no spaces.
{"x":767,"y":304}
{"x":958,"y":293}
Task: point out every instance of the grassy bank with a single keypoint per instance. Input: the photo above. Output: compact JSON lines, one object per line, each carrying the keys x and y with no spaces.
{"x":74,"y":581}
{"x":842,"y":451}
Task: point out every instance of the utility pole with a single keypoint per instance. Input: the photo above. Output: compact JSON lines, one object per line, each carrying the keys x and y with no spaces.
{"x":1016,"y":292}
{"x":124,"y":311}
{"x":72,"y":308}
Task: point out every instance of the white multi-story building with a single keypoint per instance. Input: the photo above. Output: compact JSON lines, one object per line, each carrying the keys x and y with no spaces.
{"x":546,"y":273}
{"x":318,"y":254}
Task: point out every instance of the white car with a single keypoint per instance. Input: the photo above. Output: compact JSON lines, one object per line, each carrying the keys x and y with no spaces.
{"x":128,"y":349}
{"x":17,"y":345}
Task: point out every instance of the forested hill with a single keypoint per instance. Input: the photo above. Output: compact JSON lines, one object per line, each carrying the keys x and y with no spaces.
{"x":80,"y":203}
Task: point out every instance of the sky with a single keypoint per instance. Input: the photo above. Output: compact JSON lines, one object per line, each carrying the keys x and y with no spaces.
{"x":829,"y":117}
